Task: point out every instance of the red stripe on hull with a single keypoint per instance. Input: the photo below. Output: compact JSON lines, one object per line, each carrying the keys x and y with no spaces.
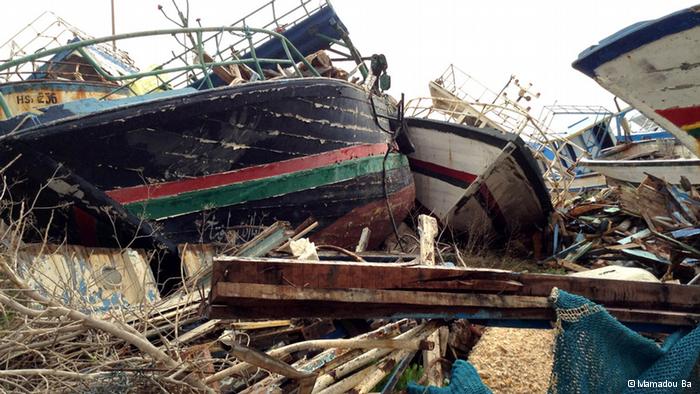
{"x":144,"y":192}
{"x":450,"y":172}
{"x":345,"y":231}
{"x":681,"y":116}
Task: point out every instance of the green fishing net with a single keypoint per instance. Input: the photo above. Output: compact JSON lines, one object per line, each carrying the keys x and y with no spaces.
{"x":594,"y":353}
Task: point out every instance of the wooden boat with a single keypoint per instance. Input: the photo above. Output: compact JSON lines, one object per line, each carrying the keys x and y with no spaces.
{"x":478,"y":180}
{"x":190,"y":165}
{"x":631,"y":162}
{"x":67,"y":75}
{"x":652,"y":66}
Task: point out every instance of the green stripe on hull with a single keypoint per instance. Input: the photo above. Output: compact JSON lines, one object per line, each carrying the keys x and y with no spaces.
{"x":259,"y":189}
{"x":694,"y":132}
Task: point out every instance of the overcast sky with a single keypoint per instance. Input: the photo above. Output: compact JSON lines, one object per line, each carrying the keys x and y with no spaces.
{"x":490,"y":40}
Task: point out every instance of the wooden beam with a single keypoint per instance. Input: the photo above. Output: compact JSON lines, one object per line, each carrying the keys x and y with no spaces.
{"x":388,"y":276}
{"x":427,"y":229}
{"x":224,"y":291}
{"x":364,"y":240}
{"x":280,"y":289}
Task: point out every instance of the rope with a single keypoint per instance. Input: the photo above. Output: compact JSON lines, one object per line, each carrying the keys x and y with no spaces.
{"x":401,"y":121}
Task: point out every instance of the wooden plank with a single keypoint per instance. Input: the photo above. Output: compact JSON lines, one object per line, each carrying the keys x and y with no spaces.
{"x":608,"y":292}
{"x":257,"y":325}
{"x":248,"y":308}
{"x":91,"y":279}
{"x":507,"y":317}
{"x":268,"y":240}
{"x":427,"y":229}
{"x":196,"y":258}
{"x":223,"y":291}
{"x":364,"y":240}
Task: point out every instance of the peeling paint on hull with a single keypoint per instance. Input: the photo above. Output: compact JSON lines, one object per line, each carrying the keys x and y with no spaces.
{"x":653,"y":66}
{"x":510,"y":201}
{"x":162,"y":144}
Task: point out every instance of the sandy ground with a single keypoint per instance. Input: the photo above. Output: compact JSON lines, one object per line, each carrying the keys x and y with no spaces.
{"x":513,"y":360}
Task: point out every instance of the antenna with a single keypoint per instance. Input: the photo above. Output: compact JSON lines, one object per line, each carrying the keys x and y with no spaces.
{"x":114,"y":44}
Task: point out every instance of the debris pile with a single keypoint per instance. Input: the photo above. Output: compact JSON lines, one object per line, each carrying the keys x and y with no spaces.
{"x":91,"y":320}
{"x":655,"y":227}
{"x":278,"y":313}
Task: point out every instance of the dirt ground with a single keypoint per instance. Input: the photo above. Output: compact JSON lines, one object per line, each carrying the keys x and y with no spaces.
{"x":513,"y":360}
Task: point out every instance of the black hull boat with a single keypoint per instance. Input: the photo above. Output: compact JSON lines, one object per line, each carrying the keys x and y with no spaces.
{"x":258,"y":131}
{"x":197,"y":164}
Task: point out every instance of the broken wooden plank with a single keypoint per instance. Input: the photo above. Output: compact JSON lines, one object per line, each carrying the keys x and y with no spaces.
{"x":257,"y":325}
{"x":364,"y":240}
{"x":224,"y":291}
{"x":387,"y":276}
{"x":427,"y":230}
{"x":262,"y":360}
{"x":94,"y":280}
{"x":268,"y":240}
{"x":636,"y":236}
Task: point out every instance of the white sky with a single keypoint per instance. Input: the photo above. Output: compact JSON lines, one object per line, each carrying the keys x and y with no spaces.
{"x":490,"y":40}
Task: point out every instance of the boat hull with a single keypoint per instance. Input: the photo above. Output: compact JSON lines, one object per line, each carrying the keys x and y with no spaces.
{"x":632,"y":162}
{"x":634,"y":171}
{"x":652,"y":65}
{"x":28,"y":96}
{"x":198,"y":165}
{"x":511,"y":201}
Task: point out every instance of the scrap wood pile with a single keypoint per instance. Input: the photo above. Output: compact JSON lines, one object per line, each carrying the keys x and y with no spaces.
{"x":655,"y":226}
{"x":91,"y":320}
{"x":76,"y":323}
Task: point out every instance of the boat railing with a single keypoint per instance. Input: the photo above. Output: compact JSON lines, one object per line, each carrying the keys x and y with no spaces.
{"x":47,"y":31}
{"x":54,"y":71}
{"x":201,"y":67}
{"x":268,"y":17}
{"x":467,"y":88}
{"x":558,"y":170}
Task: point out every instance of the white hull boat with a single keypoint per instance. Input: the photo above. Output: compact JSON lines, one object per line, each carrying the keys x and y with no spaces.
{"x":477,"y":180}
{"x":653,"y":66}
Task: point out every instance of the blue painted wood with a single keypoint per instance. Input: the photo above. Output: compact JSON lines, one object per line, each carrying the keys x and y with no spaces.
{"x":303,"y":35}
{"x":633,"y":37}
{"x":87,"y":106}
{"x":685,"y":232}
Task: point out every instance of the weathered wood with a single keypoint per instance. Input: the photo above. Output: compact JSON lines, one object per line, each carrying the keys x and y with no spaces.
{"x":388,"y":276}
{"x":427,"y":230}
{"x":256,"y":325}
{"x":246,"y":308}
{"x":380,"y":371}
{"x":94,"y":280}
{"x":226,"y":291}
{"x":196,"y":258}
{"x":269,"y":239}
{"x":276,"y":288}
{"x":364,"y":359}
{"x":265,"y":361}
{"x":364,"y":240}
{"x":431,"y":362}
{"x":197,"y":332}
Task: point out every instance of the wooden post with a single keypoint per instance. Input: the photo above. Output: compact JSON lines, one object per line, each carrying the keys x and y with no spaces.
{"x":364,"y":240}
{"x":427,"y":230}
